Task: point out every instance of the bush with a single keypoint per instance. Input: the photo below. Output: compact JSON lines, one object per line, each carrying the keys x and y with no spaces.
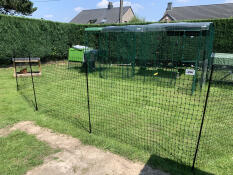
{"x":21,"y":37}
{"x":137,"y":19}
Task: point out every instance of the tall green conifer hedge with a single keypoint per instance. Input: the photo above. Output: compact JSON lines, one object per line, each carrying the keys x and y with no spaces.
{"x":223,"y":36}
{"x":21,"y":37}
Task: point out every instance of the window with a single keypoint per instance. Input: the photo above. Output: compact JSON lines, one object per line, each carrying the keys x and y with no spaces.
{"x":92,"y":21}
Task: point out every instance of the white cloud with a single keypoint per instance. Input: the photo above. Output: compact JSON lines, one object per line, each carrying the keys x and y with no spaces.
{"x":78,"y":9}
{"x":229,"y":1}
{"x":48,"y":16}
{"x":102,"y":4}
{"x":135,"y":6}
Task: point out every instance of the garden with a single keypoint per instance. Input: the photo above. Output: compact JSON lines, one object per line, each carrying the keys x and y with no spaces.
{"x":143,"y":111}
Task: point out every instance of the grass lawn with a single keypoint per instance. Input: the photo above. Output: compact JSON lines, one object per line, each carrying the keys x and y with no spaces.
{"x":21,"y":152}
{"x":157,"y":122}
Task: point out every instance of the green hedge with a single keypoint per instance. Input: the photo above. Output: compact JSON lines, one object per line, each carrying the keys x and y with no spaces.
{"x":21,"y":37}
{"x":223,"y":39}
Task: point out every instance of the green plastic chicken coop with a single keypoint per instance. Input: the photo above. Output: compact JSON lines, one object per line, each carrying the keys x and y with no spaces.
{"x":82,"y":54}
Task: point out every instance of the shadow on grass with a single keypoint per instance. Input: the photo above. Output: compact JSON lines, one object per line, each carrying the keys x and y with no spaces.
{"x":82,"y":69}
{"x":29,"y":99}
{"x":170,"y":166}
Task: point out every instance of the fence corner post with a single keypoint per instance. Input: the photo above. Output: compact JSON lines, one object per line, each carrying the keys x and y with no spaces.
{"x":203,"y":117}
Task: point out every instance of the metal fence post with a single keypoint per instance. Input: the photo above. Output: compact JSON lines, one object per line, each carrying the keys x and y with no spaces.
{"x":16,"y":75}
{"x":33,"y":86}
{"x":87,"y":83}
{"x":203,"y":117}
{"x":88,"y":98}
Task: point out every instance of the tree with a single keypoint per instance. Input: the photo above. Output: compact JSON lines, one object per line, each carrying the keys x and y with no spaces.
{"x":137,"y":19}
{"x":17,"y":7}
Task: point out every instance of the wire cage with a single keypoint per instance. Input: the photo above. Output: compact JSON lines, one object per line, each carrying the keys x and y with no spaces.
{"x":162,"y":50}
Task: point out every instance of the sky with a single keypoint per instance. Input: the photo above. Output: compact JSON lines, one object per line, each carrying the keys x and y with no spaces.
{"x":151,"y":10}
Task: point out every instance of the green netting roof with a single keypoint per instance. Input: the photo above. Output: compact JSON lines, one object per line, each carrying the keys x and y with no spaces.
{"x":93,"y":29}
{"x":160,"y":27}
{"x":155,"y":27}
{"x":223,"y":59}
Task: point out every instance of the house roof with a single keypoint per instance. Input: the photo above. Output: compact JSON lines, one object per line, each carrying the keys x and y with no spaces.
{"x":201,"y":12}
{"x":109,"y":15}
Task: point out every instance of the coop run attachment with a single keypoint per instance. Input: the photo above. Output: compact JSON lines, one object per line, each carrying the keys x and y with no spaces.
{"x":179,"y":47}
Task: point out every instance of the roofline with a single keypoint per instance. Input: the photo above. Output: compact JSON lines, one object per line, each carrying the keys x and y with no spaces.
{"x":129,"y":7}
{"x":106,"y":8}
{"x":198,"y":5}
{"x":131,"y":10}
{"x":166,"y":12}
{"x":169,"y":16}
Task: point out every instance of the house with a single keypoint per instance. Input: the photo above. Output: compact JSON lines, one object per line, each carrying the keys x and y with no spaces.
{"x":213,"y":11}
{"x":104,"y":15}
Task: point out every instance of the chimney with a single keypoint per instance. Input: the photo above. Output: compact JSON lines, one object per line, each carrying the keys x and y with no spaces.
{"x":121,"y":11}
{"x":110,"y":5}
{"x":169,"y":6}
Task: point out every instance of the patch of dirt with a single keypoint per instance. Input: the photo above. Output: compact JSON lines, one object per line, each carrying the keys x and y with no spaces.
{"x":76,"y":158}
{"x":5,"y":131}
